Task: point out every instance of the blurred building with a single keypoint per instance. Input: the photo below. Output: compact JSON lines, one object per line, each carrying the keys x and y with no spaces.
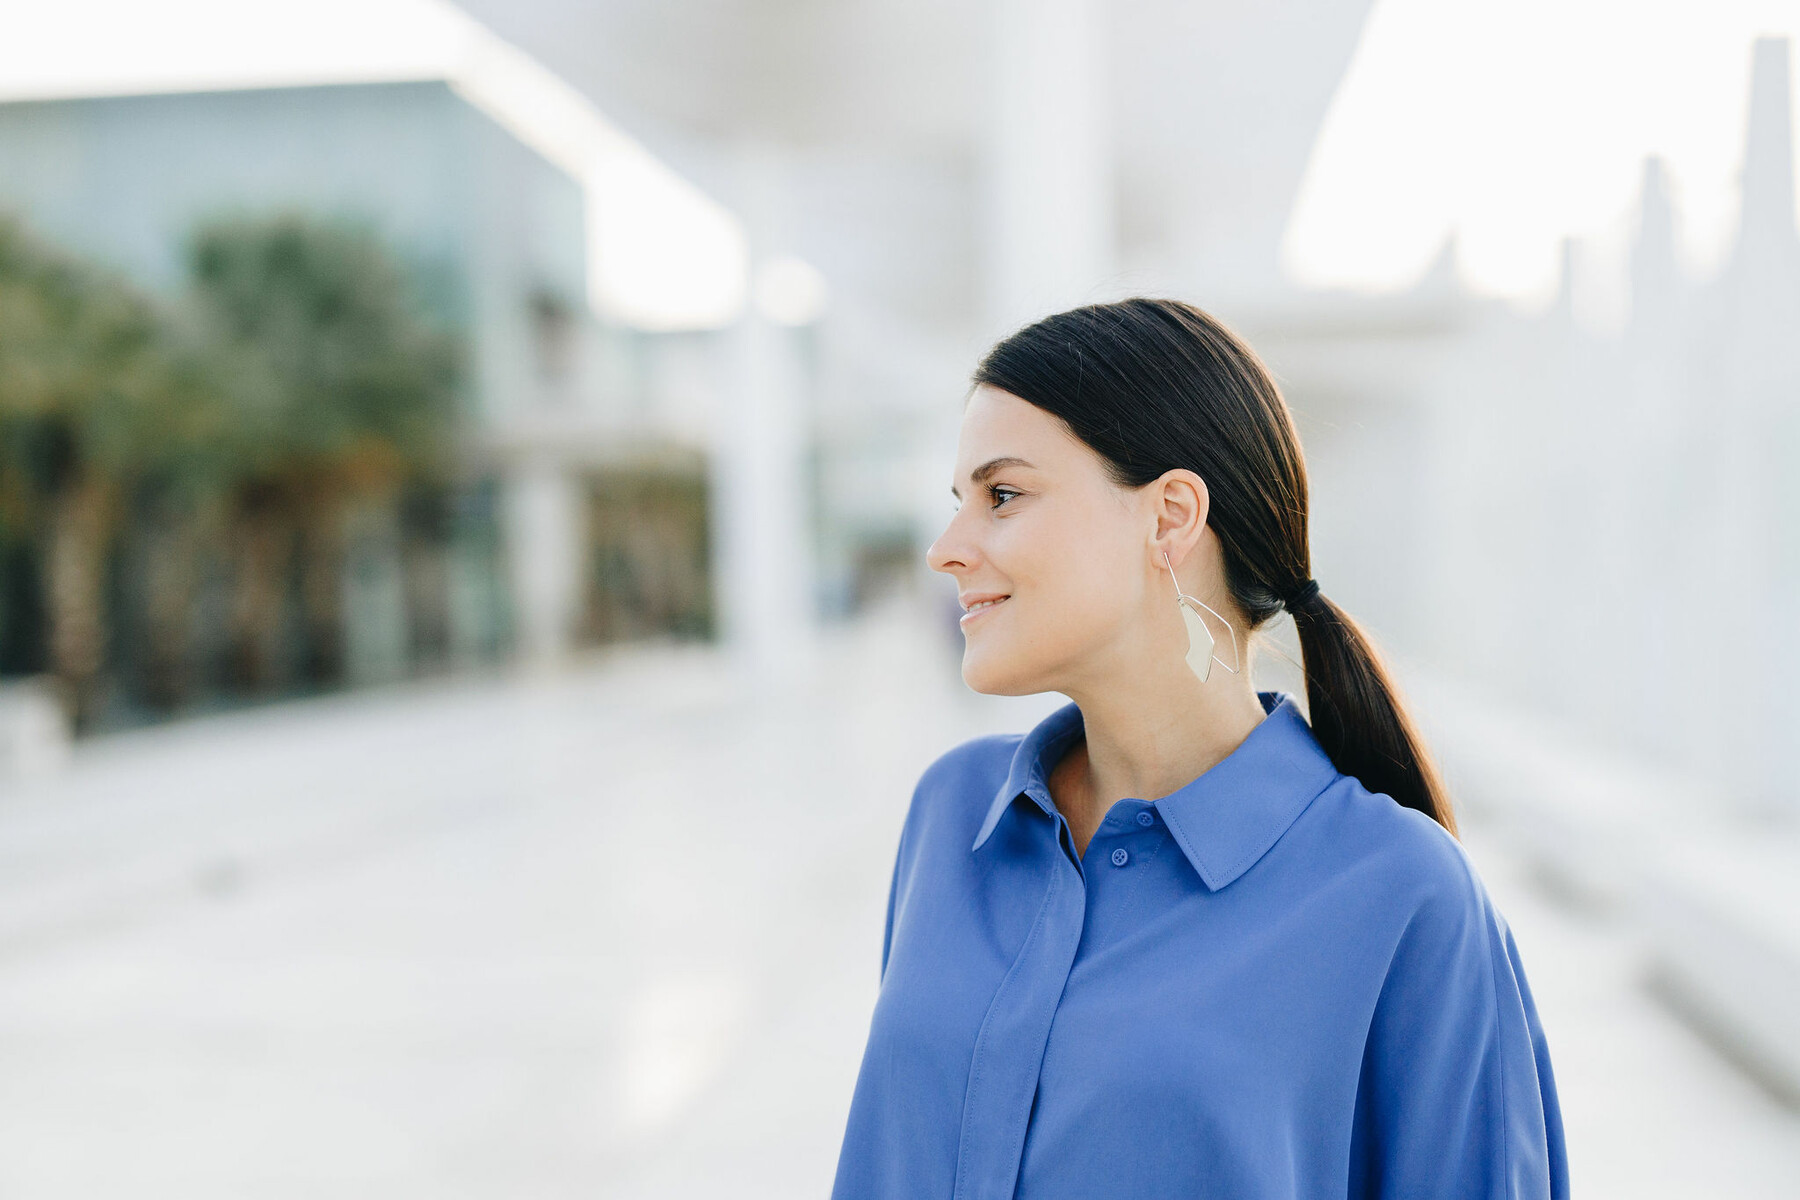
{"x":582,"y":512}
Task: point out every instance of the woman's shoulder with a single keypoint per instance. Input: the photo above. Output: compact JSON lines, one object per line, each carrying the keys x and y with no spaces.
{"x":985,"y":758}
{"x":956,"y":788}
{"x":1398,"y":849}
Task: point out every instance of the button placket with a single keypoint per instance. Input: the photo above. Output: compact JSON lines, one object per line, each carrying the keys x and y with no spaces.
{"x":1009,"y":1047}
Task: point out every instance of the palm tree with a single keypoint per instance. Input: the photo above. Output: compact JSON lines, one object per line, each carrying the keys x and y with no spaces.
{"x":91,"y":399}
{"x":341,"y":389}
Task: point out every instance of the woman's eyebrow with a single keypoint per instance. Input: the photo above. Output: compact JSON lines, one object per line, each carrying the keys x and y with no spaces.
{"x":981,"y":473}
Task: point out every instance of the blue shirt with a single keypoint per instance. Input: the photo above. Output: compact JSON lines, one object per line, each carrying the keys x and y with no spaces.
{"x":1268,"y":983}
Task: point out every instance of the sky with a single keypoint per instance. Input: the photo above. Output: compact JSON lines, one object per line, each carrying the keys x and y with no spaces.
{"x":1510,"y":126}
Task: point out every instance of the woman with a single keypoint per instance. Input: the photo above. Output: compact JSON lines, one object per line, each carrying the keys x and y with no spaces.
{"x":1176,"y":940}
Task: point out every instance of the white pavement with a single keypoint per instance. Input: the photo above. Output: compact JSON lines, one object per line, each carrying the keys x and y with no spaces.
{"x":613,"y":933}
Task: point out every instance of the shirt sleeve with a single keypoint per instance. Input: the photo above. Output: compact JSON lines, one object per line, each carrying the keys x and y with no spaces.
{"x":1457,"y":1099}
{"x":887,"y":932}
{"x":901,"y":879}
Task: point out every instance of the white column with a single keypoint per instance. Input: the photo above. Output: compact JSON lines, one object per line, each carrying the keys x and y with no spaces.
{"x":1048,"y":232}
{"x":760,"y":493}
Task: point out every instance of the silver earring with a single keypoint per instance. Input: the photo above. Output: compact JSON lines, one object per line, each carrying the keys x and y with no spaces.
{"x":1200,"y":656}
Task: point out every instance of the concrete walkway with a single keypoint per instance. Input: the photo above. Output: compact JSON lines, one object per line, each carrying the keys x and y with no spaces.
{"x":612,"y":933}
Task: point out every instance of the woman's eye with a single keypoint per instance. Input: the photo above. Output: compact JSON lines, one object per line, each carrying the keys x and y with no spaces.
{"x":1001,"y":495}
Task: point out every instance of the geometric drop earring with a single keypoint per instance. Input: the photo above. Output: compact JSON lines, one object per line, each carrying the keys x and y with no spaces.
{"x":1200,"y":656}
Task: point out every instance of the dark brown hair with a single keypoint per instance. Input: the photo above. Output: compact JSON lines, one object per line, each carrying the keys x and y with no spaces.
{"x":1151,"y":385}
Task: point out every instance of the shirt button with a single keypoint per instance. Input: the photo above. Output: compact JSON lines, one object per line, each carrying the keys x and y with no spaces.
{"x":1145,"y":819}
{"x":1121,"y":856}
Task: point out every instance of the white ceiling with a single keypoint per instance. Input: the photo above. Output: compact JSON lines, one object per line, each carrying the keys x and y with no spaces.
{"x":879,"y":108}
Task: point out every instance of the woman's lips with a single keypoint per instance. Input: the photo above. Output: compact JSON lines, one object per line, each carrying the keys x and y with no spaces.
{"x":981,"y":610}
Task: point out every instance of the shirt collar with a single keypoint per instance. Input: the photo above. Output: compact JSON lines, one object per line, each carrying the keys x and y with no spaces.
{"x":1225,"y":820}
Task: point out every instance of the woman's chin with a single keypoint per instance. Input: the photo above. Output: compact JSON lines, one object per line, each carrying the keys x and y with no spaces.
{"x":993,"y":675}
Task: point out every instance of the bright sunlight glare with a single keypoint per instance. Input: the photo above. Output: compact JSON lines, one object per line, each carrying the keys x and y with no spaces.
{"x":1508,"y":127}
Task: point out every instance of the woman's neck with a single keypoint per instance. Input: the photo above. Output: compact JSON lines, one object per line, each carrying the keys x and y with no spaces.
{"x":1143,"y":746}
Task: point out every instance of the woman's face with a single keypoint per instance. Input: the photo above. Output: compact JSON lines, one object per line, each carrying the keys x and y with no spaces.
{"x":1041,"y":528}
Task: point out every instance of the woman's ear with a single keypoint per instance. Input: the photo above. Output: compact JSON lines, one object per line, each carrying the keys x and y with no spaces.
{"x":1179,"y":503}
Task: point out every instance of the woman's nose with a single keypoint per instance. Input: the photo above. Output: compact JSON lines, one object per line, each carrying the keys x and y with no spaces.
{"x":949,"y":551}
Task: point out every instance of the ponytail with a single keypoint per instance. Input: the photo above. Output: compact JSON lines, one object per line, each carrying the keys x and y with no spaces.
{"x":1151,"y":385}
{"x":1357,"y":715}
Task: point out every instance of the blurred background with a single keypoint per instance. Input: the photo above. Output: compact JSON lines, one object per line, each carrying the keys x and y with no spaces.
{"x":465,"y":472}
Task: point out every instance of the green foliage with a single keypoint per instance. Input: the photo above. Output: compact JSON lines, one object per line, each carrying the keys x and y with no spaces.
{"x":317,"y":339}
{"x":89,"y":382}
{"x":301,"y":355}
{"x":297,"y":375}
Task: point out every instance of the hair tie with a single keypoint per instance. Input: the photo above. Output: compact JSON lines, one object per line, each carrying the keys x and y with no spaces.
{"x":1300,"y":595}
